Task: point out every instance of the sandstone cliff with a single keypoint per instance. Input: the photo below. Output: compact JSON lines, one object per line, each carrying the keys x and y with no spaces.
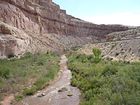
{"x":40,"y":25}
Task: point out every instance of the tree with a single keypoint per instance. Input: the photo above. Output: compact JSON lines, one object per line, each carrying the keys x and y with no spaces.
{"x":97,"y":55}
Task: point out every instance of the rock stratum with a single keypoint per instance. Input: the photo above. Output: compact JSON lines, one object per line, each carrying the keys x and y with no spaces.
{"x":119,"y":46}
{"x":40,"y":26}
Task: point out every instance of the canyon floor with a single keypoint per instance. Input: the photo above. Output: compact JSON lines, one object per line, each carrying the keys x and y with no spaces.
{"x":58,"y":93}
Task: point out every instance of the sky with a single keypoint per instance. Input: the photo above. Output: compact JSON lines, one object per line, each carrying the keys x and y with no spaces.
{"x":125,"y":12}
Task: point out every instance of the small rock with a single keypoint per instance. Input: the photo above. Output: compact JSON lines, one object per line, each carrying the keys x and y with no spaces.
{"x":41,"y":95}
{"x":63,"y":89}
{"x":69,"y":94}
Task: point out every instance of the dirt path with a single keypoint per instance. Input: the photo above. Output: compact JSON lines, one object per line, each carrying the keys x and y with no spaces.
{"x":59,"y":93}
{"x":7,"y":100}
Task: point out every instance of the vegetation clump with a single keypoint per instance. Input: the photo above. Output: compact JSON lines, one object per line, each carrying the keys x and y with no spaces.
{"x":105,"y":82}
{"x":27,"y":74}
{"x":97,"y":55}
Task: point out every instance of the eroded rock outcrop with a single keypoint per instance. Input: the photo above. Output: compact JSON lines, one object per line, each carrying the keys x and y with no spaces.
{"x":44,"y":23}
{"x":124,"y":46}
{"x":13,"y":41}
{"x":133,"y":33}
{"x":124,"y":50}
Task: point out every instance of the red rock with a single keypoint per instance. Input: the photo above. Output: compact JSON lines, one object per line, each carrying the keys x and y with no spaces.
{"x":41,"y":17}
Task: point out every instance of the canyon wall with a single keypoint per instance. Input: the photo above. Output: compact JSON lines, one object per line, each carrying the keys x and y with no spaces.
{"x":40,"y":25}
{"x":120,"y":46}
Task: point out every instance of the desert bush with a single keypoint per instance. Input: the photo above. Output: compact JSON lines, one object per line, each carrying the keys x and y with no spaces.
{"x":4,"y":72}
{"x":96,"y":52}
{"x":18,"y":97}
{"x":109,"y":70}
{"x":105,"y":82}
{"x":97,"y":55}
{"x":29,"y":91}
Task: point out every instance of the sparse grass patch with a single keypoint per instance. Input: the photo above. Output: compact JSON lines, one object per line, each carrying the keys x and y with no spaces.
{"x":30,"y":91}
{"x":28,"y":74}
{"x":19,"y":97}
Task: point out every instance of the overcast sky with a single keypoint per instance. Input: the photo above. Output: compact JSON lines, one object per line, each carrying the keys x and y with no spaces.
{"x":126,"y":12}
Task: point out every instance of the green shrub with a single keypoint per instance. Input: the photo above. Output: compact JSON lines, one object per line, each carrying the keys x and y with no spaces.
{"x":96,"y":52}
{"x":91,"y":58}
{"x":105,"y":82}
{"x":97,"y":55}
{"x":29,"y":91}
{"x":81,"y":57}
{"x":41,"y":83}
{"x":109,"y":70}
{"x":4,"y":72}
{"x":19,"y":97}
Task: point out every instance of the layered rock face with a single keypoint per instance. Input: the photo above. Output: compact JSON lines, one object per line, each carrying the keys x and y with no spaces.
{"x":41,"y":25}
{"x":124,"y":35}
{"x":124,"y":46}
{"x":12,"y":41}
